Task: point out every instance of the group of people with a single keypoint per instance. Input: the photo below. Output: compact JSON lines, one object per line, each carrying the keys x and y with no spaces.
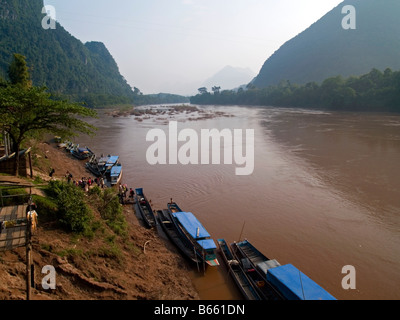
{"x":85,"y":183}
{"x":123,"y":192}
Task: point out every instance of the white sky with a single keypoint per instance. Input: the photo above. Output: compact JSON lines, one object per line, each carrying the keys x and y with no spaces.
{"x":175,"y":45}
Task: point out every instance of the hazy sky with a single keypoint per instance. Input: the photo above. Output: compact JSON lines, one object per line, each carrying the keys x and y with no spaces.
{"x":175,"y":45}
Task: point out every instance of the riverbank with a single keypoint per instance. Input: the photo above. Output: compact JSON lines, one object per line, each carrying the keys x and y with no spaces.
{"x":138,"y":266}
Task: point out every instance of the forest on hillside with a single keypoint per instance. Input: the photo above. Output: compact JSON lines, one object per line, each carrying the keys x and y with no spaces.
{"x":326,"y":49}
{"x":374,"y":91}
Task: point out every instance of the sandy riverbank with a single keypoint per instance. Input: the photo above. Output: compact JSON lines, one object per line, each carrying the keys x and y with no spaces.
{"x":141,"y":266}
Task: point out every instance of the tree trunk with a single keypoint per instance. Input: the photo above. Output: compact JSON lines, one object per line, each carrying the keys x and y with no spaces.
{"x":16,"y":160}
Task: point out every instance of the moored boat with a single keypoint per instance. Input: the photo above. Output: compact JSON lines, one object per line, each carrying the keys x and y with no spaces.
{"x":288,"y":281}
{"x":237,"y":273}
{"x":81,"y":153}
{"x":165,"y":220}
{"x":115,"y":175}
{"x":173,"y":207}
{"x":102,"y":166}
{"x":257,"y":259}
{"x":196,"y":236}
{"x":142,"y":205}
{"x":257,"y":279}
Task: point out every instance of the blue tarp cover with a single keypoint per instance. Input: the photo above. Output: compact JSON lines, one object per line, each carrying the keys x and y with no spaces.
{"x":115,"y":171}
{"x":287,"y":280}
{"x":208,"y":244}
{"x":139,"y":191}
{"x":192,"y":225}
{"x":112,"y":160}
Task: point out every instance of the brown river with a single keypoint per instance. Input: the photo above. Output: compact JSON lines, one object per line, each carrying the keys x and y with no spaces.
{"x":324,"y":193}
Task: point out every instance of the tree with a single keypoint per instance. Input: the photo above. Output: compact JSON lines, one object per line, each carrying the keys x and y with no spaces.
{"x":18,"y":72}
{"x":137,"y":92}
{"x":216,"y":89}
{"x":202,"y":90}
{"x":27,"y":111}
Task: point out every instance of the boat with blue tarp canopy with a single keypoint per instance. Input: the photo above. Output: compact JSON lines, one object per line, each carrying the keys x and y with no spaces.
{"x":102,"y":167}
{"x":192,"y":225}
{"x":208,"y":244}
{"x":194,"y":234}
{"x":295,"y":285}
{"x":111,"y":161}
{"x":115,"y":174}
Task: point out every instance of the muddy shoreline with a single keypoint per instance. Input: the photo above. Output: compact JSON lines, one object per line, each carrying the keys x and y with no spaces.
{"x":102,"y":268}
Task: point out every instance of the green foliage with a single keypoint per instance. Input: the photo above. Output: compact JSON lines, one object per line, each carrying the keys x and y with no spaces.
{"x":73,"y":212}
{"x":107,"y":203}
{"x":13,"y":196}
{"x":59,"y":61}
{"x":160,"y":98}
{"x":325,"y":49}
{"x":375,"y":91}
{"x":18,"y":72}
{"x":27,"y":111}
{"x":46,"y":207}
{"x":24,"y":112}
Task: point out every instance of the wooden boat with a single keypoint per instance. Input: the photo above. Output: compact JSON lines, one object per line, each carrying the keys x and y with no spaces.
{"x":194,"y":235}
{"x":115,"y":175}
{"x":81,"y":153}
{"x":258,"y":281}
{"x":237,"y":273}
{"x":258,"y":260}
{"x":69,"y":146}
{"x":142,"y":205}
{"x":275,"y":281}
{"x":173,"y":207}
{"x":101,"y":167}
{"x":170,"y":230}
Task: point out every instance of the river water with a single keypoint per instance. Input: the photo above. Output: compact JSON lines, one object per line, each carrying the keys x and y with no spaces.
{"x":324,"y":194}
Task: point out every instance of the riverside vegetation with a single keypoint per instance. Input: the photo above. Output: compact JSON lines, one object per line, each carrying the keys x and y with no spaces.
{"x":95,"y":244}
{"x":374,"y":91}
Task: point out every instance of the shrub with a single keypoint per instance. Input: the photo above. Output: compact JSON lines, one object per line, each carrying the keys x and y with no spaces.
{"x":73,"y":212}
{"x":13,"y":196}
{"x":46,"y":207}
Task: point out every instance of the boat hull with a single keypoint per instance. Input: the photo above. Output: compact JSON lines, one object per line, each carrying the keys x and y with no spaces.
{"x":203,"y":246}
{"x":237,"y":273}
{"x":165,"y":221}
{"x":142,"y":205}
{"x":258,"y":281}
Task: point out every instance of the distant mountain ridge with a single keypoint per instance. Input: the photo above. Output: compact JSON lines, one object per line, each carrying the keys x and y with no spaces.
{"x":325,"y":49}
{"x":229,"y":78}
{"x":59,"y":61}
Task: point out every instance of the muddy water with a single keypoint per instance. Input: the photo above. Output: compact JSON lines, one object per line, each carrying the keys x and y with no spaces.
{"x":325,"y":192}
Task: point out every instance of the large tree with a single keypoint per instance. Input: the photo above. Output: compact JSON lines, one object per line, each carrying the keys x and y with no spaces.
{"x":27,"y":111}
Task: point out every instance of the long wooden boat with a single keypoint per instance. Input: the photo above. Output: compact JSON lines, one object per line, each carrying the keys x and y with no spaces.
{"x":173,"y":207}
{"x":165,"y":220}
{"x":258,"y":281}
{"x":142,"y":205}
{"x":237,"y":273}
{"x":115,"y":175}
{"x":81,"y":153}
{"x":99,"y":167}
{"x":257,"y":259}
{"x":194,"y":235}
{"x":280,"y":282}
